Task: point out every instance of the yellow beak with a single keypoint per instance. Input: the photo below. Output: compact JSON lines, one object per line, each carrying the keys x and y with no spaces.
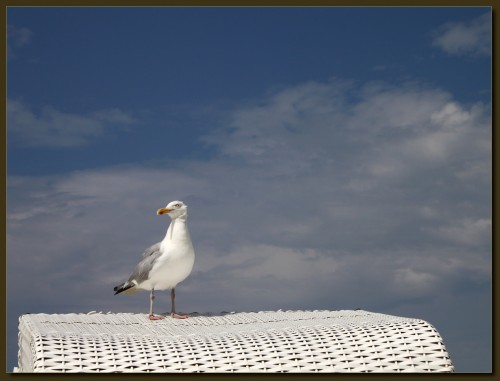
{"x":163,"y":211}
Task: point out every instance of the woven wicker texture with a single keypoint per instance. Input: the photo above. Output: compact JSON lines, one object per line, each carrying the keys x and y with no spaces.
{"x":282,"y":341}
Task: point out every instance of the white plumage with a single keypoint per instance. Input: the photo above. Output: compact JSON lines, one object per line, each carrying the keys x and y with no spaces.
{"x":165,"y":264}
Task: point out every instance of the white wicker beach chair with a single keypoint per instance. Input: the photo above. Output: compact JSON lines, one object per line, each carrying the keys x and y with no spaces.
{"x":280,"y":341}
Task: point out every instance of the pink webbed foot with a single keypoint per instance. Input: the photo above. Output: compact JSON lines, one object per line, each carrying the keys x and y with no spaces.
{"x":177,"y":316}
{"x":156,"y":317}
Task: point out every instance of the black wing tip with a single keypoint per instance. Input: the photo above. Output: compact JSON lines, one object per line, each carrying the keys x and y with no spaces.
{"x":122,"y":287}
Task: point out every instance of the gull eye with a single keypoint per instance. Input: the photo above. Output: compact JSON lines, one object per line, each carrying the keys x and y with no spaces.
{"x":177,"y":205}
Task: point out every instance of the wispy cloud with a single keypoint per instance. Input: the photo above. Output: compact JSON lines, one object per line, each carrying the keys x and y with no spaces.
{"x":320,"y":194}
{"x":467,"y":231}
{"x":54,"y":128}
{"x":304,"y":174}
{"x":471,"y":37}
{"x":17,"y":37}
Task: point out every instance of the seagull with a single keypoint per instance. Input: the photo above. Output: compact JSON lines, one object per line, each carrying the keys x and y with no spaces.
{"x":165,"y":264}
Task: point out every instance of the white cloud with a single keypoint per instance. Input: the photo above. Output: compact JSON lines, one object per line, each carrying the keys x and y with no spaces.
{"x":475,"y":172}
{"x":471,"y":37}
{"x":17,"y":37}
{"x":315,"y":200}
{"x":407,"y":107}
{"x":387,"y":133}
{"x":54,"y":128}
{"x":280,"y":263}
{"x":412,"y":281}
{"x":467,"y":231}
{"x":451,"y":115}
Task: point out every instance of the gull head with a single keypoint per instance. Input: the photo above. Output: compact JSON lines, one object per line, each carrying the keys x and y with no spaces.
{"x":174,"y":209}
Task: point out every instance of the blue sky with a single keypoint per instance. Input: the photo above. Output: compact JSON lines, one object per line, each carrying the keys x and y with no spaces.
{"x":332,"y":158}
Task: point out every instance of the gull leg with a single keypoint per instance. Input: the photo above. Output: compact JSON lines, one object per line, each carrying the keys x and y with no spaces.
{"x":173,"y":313}
{"x":151,"y":299}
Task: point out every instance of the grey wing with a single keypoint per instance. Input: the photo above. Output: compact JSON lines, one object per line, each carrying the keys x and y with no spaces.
{"x":141,"y":271}
{"x":151,"y":250}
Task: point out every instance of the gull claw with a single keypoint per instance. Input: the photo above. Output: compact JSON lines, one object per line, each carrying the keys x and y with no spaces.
{"x":177,"y":316}
{"x":156,"y":317}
